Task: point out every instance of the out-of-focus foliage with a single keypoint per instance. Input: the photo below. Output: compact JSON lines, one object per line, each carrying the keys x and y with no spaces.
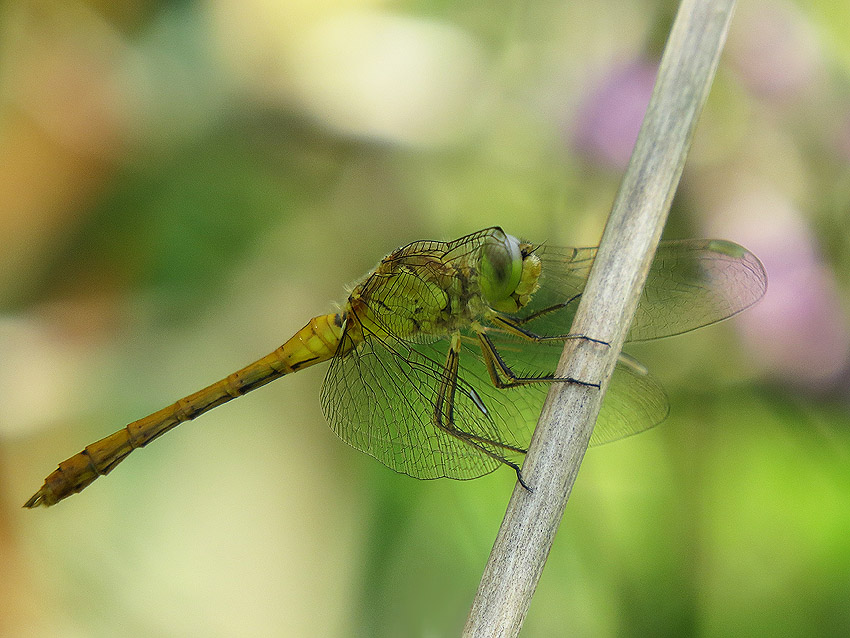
{"x":184,"y":184}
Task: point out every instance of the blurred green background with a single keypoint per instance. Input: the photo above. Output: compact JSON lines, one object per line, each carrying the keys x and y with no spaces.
{"x":183,"y":184}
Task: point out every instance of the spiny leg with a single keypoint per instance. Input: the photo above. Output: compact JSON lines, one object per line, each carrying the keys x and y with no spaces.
{"x":515,"y":328}
{"x":445,"y":404}
{"x":549,"y":309}
{"x":448,"y":384}
{"x":496,"y":365}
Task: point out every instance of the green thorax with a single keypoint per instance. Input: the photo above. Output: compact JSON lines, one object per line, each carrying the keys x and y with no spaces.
{"x":428,"y":290}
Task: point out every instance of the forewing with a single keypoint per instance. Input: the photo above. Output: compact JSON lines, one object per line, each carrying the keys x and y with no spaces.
{"x":380,"y":397}
{"x":695,"y":283}
{"x":691,"y":283}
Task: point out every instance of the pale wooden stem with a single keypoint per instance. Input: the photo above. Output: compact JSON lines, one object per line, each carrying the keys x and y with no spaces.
{"x":605,"y":312}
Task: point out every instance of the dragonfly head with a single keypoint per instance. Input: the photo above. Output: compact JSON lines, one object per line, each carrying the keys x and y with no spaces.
{"x":508,"y":273}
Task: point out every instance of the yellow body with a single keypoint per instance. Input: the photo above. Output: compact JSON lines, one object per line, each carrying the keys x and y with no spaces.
{"x":314,"y":343}
{"x":428,"y":343}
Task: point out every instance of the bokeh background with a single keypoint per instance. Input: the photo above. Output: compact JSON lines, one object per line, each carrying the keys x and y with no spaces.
{"x":184,"y":183}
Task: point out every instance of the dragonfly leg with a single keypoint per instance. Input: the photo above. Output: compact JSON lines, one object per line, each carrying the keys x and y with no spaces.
{"x":515,"y":327}
{"x":444,"y":414}
{"x":547,"y":310}
{"x":497,"y":368}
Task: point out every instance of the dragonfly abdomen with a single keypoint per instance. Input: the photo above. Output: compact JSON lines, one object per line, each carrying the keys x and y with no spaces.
{"x":314,"y":343}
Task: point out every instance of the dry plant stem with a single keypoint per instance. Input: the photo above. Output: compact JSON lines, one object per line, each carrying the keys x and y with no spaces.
{"x":607,"y":306}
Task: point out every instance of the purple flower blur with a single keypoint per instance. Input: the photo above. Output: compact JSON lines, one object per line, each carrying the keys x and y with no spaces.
{"x":607,"y":123}
{"x":774,"y":50}
{"x":798,"y":331}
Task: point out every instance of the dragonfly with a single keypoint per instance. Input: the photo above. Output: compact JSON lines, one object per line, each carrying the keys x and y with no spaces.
{"x":441,"y":357}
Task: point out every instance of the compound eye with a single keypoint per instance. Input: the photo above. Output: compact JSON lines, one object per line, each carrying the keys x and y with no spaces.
{"x":501,"y":267}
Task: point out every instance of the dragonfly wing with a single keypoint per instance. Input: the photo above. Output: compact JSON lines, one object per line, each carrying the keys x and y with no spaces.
{"x":695,"y":283}
{"x":634,"y":402}
{"x":691,"y":283}
{"x":380,"y":399}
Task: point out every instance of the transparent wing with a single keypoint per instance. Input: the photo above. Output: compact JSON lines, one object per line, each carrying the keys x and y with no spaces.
{"x":634,"y":402}
{"x":691,"y":283}
{"x":380,"y":398}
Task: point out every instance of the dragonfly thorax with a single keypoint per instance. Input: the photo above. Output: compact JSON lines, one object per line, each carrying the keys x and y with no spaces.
{"x":428,"y":290}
